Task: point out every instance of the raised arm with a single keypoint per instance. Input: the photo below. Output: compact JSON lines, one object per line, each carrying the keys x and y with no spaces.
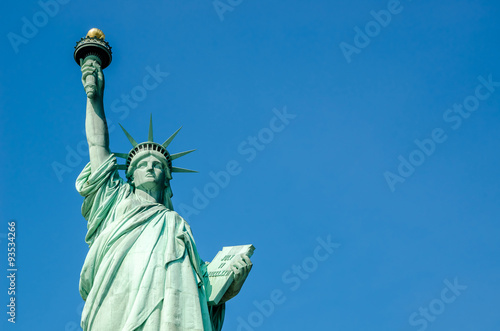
{"x":96,"y":127}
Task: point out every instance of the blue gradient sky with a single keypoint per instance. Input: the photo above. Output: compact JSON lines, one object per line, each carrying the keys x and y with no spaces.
{"x":320,"y":175}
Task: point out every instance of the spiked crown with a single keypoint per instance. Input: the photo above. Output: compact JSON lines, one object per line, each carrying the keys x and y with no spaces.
{"x":151,"y":147}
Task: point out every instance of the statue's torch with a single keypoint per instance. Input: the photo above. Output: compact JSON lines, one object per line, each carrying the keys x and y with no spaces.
{"x":94,"y":47}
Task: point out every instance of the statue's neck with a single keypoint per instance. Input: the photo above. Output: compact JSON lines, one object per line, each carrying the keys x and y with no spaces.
{"x":152,"y":196}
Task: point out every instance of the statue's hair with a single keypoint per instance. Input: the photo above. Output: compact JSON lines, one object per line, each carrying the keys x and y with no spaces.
{"x":167,"y":196}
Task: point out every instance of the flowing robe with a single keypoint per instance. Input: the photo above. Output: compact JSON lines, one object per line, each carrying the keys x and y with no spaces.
{"x":142,"y":271}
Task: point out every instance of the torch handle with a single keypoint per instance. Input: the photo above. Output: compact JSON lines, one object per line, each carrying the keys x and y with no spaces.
{"x":90,"y":86}
{"x":90,"y":80}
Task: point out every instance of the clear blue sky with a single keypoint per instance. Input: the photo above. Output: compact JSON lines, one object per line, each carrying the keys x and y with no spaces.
{"x":331,"y":134}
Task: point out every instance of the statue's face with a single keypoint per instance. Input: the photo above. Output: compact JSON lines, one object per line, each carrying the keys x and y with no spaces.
{"x":149,"y":174}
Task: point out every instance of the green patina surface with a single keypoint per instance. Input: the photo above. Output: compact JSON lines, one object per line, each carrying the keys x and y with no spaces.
{"x":142,"y":271}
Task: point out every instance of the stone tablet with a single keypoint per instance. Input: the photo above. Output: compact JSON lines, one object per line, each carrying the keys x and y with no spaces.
{"x":220,"y":275}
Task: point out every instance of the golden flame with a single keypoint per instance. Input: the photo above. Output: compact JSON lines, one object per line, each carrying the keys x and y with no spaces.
{"x":95,"y":33}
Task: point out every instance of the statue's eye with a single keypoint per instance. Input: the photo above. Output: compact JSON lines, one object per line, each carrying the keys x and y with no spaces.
{"x":141,"y":165}
{"x":157,"y":166}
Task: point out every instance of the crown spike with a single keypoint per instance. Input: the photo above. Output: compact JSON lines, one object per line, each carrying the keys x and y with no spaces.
{"x":132,"y":140}
{"x":150,"y":133}
{"x":175,"y":169}
{"x":178,"y":155}
{"x":169,"y":140}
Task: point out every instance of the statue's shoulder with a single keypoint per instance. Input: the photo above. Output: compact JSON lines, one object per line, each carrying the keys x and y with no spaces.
{"x":173,"y":215}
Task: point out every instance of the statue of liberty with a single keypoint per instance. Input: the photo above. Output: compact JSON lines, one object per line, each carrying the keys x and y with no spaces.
{"x":142,"y":271}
